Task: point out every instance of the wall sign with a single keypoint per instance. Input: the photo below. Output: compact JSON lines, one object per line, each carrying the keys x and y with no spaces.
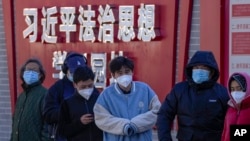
{"x":83,"y":23}
{"x":239,"y":36}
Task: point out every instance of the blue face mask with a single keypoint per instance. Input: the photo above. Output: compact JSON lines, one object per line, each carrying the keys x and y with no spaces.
{"x":70,"y":77}
{"x":30,"y":77}
{"x":200,"y":75}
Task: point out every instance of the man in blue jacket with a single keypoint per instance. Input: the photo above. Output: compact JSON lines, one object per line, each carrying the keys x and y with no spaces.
{"x":61,"y":90}
{"x":126,"y":110}
{"x":199,"y":103}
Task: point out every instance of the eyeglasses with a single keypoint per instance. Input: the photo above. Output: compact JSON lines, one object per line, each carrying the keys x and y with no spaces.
{"x":32,"y":70}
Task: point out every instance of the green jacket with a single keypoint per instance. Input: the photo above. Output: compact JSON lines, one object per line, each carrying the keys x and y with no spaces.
{"x":28,"y":124}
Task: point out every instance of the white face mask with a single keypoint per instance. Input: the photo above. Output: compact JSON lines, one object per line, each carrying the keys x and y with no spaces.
{"x":238,"y":96}
{"x":124,"y":80}
{"x":86,"y":93}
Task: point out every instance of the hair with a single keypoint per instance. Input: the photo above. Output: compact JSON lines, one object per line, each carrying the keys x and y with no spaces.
{"x":117,"y":63}
{"x":83,"y":73}
{"x":41,"y":69}
{"x":70,"y":55}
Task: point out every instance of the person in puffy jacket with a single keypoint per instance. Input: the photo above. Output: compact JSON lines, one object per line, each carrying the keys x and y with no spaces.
{"x":199,"y":103}
{"x":238,"y":112}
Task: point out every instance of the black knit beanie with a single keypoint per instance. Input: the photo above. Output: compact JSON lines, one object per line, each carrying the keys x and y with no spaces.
{"x":241,"y":80}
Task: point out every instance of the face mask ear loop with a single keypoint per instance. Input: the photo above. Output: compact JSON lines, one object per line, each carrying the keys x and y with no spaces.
{"x":112,"y":79}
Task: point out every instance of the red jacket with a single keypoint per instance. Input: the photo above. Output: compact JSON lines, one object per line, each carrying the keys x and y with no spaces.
{"x":237,"y":114}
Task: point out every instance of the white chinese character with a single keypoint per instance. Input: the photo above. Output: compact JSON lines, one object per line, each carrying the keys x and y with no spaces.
{"x":31,"y":20}
{"x":58,"y":59}
{"x":146,"y":22}
{"x":86,"y":24}
{"x":126,"y":23}
{"x":48,"y":24}
{"x":67,"y":18}
{"x":106,"y":20}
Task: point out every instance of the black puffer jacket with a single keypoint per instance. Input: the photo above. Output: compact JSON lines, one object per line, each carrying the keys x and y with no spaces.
{"x":200,"y":108}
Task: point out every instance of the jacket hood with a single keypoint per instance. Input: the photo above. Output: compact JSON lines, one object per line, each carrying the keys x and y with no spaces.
{"x":247,"y":96}
{"x":202,"y":58}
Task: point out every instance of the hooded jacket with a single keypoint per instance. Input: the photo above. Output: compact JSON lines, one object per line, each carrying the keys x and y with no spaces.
{"x":237,"y":113}
{"x":200,"y":108}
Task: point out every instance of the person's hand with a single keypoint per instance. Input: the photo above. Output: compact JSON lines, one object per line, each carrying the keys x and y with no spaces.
{"x":87,"y":118}
{"x":129,"y":129}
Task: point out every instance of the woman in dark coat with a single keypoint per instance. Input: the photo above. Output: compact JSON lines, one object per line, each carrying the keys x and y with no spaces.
{"x":28,"y":123}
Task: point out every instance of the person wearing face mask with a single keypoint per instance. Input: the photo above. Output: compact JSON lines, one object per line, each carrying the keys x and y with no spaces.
{"x":28,"y":124}
{"x":61,"y":90}
{"x":199,"y":103}
{"x":238,"y":112}
{"x":76,"y":119}
{"x":126,"y":110}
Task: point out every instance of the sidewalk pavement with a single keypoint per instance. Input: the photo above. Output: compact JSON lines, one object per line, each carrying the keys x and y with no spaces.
{"x":155,"y":138}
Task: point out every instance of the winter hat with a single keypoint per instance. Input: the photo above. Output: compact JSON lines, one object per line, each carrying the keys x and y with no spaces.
{"x":74,"y":62}
{"x":241,"y":80}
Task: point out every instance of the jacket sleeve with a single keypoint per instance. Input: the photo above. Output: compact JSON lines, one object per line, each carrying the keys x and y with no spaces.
{"x":109,"y":123}
{"x":44,"y":130}
{"x":166,"y":116}
{"x":52,"y":105}
{"x":224,"y":97}
{"x":146,"y":121}
{"x":226,"y":129}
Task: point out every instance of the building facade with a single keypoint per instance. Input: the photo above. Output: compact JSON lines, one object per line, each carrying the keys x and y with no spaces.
{"x":160,"y":36}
